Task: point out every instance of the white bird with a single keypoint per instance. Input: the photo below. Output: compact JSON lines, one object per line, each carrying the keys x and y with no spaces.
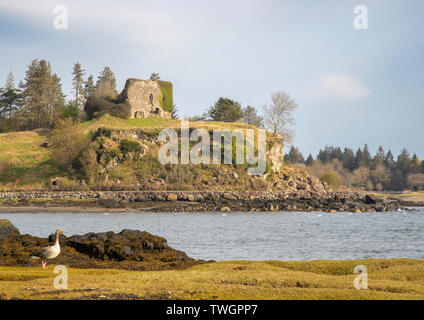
{"x":49,"y":252}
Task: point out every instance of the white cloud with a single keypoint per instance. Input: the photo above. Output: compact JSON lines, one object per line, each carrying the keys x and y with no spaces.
{"x":339,"y":86}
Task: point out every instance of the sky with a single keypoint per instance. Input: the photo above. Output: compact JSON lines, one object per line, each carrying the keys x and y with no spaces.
{"x":352,"y":86}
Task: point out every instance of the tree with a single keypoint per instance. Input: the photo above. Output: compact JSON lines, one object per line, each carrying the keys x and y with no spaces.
{"x":378,"y":159}
{"x":78,"y":83}
{"x":380,"y":175}
{"x":416,"y":181}
{"x":310,"y":160}
{"x":415,"y":164}
{"x":107,"y":80}
{"x":250,"y":116}
{"x":42,"y":96}
{"x":154,"y":76}
{"x":8,"y":98}
{"x":358,"y":158}
{"x":348,"y":159}
{"x":67,"y":144}
{"x":225,"y":110}
{"x":389,"y":161}
{"x":278,"y":116}
{"x":294,"y":156}
{"x":403,"y":165}
{"x":70,"y":110}
{"x":361,"y":177}
{"x":89,"y":87}
{"x":366,"y":156}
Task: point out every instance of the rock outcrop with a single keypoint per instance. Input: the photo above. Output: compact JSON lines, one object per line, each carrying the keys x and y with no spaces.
{"x":128,"y":249}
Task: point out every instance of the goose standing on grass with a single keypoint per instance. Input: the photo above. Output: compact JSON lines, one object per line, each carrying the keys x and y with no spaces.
{"x":49,"y":252}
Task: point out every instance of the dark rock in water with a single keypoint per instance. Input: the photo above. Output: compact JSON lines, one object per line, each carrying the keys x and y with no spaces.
{"x":7,"y":229}
{"x":371,"y":199}
{"x":128,"y":249}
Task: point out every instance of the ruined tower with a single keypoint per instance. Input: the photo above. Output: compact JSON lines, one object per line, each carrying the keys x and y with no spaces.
{"x":148,"y":98}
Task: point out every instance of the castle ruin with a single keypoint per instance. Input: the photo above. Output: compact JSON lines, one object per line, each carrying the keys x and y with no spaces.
{"x":148,"y":98}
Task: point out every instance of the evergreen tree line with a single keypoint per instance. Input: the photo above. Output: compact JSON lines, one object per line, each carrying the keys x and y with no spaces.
{"x":38,"y":100}
{"x":362,"y":170}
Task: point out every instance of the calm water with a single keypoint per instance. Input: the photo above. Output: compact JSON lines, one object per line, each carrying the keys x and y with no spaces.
{"x":254,"y":236}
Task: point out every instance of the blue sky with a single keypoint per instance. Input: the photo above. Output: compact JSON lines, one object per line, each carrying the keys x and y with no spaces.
{"x":352,"y":86}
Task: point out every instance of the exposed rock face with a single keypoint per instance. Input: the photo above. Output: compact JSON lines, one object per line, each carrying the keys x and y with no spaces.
{"x":128,"y":249}
{"x":148,"y":98}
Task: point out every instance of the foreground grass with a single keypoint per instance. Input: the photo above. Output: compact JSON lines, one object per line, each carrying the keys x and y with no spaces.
{"x":387,"y":279}
{"x":23,"y":161}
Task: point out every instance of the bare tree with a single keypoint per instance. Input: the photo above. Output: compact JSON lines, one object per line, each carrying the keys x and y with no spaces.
{"x":278,"y":117}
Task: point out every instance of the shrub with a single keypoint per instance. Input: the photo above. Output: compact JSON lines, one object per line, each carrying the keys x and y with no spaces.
{"x":96,"y":107}
{"x":129,"y":146}
{"x":67,"y":144}
{"x":331,"y":178}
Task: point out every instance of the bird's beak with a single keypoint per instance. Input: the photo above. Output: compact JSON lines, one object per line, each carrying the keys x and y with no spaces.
{"x":61,"y":231}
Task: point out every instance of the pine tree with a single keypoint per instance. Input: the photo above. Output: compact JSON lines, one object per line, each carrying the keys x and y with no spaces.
{"x":8,"y":98}
{"x":348,"y":159}
{"x":366,"y":157}
{"x":389,"y":161}
{"x":294,"y":156}
{"x":89,"y":87}
{"x":378,"y":159}
{"x":42,"y":96}
{"x":358,"y":158}
{"x":415,"y":164}
{"x":78,"y":82}
{"x":324,"y":155}
{"x":107,"y":80}
{"x":310,"y":160}
{"x":403,"y":166}
{"x":250,"y":116}
{"x":226,"y":110}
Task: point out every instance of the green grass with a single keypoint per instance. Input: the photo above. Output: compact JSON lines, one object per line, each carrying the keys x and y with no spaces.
{"x":25,"y":165}
{"x":325,"y":279}
{"x":23,"y":161}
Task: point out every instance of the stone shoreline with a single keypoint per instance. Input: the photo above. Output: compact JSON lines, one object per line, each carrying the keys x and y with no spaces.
{"x":191,"y":201}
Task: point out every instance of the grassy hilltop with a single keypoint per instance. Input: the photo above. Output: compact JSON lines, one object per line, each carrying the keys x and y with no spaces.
{"x":115,"y":160}
{"x":387,"y":279}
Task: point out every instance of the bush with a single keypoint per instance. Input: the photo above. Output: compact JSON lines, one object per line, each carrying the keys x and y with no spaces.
{"x":129,"y":146}
{"x":331,"y":178}
{"x":67,"y":143}
{"x":70,"y":110}
{"x":96,"y":107}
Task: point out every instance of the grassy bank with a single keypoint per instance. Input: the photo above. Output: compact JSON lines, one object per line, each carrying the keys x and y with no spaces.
{"x":387,"y":279}
{"x":114,"y":160}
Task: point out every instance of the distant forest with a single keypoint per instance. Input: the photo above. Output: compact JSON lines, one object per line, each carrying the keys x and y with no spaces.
{"x":381,"y":172}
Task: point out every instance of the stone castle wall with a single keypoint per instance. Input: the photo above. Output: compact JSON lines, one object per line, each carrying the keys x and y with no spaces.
{"x":143,"y":97}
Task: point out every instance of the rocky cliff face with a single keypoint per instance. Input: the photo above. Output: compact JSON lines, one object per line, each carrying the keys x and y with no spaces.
{"x":128,"y":249}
